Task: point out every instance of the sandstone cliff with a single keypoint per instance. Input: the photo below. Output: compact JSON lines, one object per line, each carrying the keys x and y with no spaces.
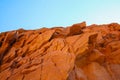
{"x":78,"y":52}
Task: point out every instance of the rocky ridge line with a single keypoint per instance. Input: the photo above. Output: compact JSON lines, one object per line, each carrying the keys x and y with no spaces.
{"x":78,"y":52}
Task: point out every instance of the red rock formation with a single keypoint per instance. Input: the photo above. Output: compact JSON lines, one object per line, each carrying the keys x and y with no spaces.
{"x":78,"y":52}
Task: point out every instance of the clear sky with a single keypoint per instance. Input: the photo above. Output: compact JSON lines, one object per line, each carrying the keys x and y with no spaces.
{"x":33,"y":14}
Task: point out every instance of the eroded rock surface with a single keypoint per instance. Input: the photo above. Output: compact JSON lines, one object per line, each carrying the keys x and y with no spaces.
{"x":78,"y":52}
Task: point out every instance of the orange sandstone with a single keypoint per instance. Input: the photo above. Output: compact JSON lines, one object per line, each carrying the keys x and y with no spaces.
{"x":78,"y":52}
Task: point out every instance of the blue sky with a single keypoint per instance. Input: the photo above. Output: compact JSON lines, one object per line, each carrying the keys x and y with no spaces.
{"x":34,"y":14}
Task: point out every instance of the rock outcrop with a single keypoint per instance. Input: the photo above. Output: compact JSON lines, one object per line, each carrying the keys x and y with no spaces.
{"x":78,"y":52}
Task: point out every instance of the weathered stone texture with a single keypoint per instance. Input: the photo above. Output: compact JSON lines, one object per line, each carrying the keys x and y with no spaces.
{"x":78,"y":52}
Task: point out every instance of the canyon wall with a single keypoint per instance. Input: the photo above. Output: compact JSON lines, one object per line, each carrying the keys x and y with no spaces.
{"x":77,"y":52}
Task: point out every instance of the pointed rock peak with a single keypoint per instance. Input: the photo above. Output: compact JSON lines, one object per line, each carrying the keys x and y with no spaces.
{"x":77,"y":28}
{"x":82,"y":24}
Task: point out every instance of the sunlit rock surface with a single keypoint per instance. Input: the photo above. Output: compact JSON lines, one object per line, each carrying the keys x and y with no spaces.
{"x":78,"y":52}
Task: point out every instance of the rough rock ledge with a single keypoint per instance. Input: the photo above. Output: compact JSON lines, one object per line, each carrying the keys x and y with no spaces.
{"x":78,"y":52}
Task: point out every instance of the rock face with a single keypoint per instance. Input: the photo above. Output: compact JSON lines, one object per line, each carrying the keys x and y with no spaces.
{"x":78,"y":52}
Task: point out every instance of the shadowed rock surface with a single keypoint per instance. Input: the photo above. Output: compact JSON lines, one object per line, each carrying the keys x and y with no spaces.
{"x":78,"y":52}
